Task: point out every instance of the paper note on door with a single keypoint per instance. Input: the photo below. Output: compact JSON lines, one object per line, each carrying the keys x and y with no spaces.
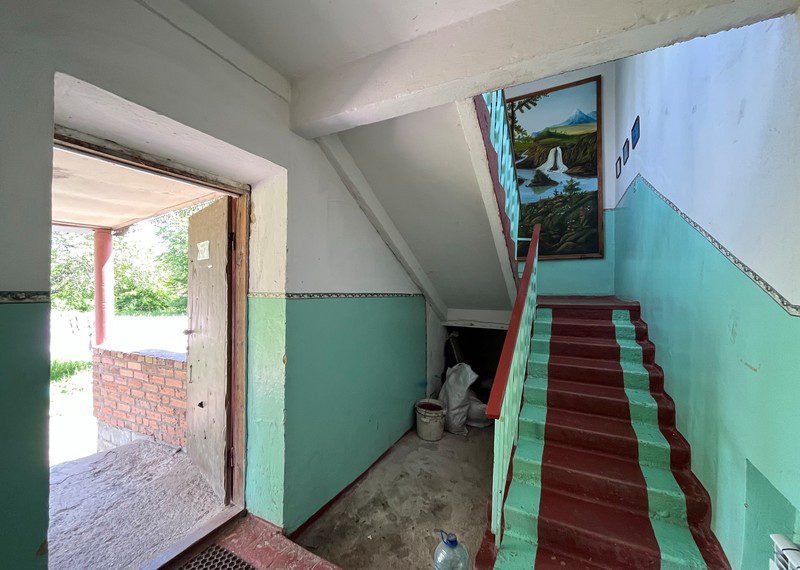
{"x":202,"y":250}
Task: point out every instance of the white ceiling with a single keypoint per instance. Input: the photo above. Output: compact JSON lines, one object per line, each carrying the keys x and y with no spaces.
{"x":91,"y":192}
{"x":298,"y":37}
{"x":419,"y":167}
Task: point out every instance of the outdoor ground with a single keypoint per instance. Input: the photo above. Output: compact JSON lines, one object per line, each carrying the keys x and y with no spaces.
{"x":390,"y":518}
{"x":73,"y":428}
{"x":122,"y":507}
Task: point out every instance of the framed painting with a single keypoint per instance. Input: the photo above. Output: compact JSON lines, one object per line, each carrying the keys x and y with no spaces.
{"x":557,"y":139}
{"x":626,"y":151}
{"x":636,"y":132}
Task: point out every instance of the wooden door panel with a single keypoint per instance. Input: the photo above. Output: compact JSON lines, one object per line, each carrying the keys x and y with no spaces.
{"x":207,"y":388}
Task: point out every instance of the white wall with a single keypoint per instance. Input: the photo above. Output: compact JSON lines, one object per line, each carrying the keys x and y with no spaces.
{"x":608,"y":72}
{"x":435,"y":336}
{"x":210,"y":85}
{"x":719,"y":119}
{"x":130,"y":49}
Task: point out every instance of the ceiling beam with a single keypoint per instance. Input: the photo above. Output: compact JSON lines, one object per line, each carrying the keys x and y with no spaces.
{"x":362,"y":192}
{"x":519,"y":42}
{"x":477,"y":154}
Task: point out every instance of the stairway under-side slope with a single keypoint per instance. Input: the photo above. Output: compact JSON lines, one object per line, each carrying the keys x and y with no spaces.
{"x":600,"y":477}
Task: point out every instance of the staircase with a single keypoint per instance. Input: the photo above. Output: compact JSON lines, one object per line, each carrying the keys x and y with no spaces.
{"x":600,"y":476}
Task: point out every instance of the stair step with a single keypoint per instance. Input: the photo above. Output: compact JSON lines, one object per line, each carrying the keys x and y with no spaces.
{"x":595,"y":348}
{"x":516,"y":552}
{"x":601,"y":533}
{"x":611,"y":401}
{"x":599,"y":433}
{"x":609,"y":479}
{"x":591,"y":328}
{"x":587,"y":305}
{"x":593,"y":371}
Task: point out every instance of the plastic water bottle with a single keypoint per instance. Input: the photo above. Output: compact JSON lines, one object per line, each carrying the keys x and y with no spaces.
{"x":451,"y":554}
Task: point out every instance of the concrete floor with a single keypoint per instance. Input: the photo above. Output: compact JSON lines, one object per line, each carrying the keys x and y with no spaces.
{"x":390,"y":518}
{"x":121,"y":507}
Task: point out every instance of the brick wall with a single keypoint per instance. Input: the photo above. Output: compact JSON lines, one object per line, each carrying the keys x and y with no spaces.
{"x":143,"y":394}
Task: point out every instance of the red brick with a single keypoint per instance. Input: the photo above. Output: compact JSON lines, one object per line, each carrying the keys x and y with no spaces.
{"x":174,"y":383}
{"x":137,"y":393}
{"x":153,"y":397}
{"x":134,"y":365}
{"x":178,"y":403}
{"x":181,"y":374}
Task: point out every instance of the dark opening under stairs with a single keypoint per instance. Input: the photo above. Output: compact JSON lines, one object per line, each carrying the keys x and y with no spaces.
{"x":600,"y":476}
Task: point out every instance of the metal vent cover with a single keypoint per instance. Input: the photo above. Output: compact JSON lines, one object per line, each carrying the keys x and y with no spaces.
{"x":217,"y":558}
{"x":786,"y":553}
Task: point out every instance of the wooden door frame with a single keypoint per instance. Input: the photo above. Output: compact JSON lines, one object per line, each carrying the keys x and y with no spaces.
{"x":238,"y":257}
{"x":238,"y":195}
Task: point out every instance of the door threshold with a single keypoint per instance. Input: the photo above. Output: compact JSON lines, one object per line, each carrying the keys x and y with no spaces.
{"x":199,"y":534}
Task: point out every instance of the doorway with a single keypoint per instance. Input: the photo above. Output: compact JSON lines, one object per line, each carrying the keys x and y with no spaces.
{"x":168,"y":413}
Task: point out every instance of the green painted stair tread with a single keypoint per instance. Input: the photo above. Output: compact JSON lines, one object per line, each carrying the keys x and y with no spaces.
{"x":594,"y":432}
{"x":519,"y":510}
{"x":515,"y":553}
{"x":606,"y":528}
{"x":595,"y":398}
{"x":602,"y":477}
{"x":588,"y":341}
{"x":678,"y":547}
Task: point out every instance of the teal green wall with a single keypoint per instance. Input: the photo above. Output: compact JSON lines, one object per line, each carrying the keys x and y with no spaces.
{"x":24,"y":477}
{"x":265,"y":433}
{"x":354,"y":368}
{"x":581,"y":276}
{"x":730,"y":356}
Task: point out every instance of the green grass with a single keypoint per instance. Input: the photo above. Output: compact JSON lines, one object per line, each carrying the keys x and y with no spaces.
{"x":61,"y":369}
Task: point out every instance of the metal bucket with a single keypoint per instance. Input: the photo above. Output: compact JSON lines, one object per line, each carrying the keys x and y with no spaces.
{"x":430,"y":419}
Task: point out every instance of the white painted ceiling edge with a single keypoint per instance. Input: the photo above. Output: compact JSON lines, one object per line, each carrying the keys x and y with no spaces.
{"x":507,"y":46}
{"x":421,"y":173}
{"x":209,"y":36}
{"x":92,"y":192}
{"x":87,"y":109}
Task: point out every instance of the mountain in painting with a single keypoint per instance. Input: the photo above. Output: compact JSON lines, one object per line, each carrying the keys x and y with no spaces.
{"x":578,"y":117}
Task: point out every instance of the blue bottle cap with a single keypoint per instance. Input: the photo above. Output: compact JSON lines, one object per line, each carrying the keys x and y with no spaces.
{"x":449,"y":539}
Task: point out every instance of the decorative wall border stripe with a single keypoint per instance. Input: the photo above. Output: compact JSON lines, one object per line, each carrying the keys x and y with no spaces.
{"x":24,"y":296}
{"x":790,"y":308}
{"x":330,"y":295}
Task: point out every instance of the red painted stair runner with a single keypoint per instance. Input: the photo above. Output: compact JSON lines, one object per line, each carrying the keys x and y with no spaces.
{"x":601,"y":476}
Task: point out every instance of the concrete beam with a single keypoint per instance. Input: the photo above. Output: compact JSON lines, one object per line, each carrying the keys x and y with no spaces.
{"x":357,"y":185}
{"x":520,"y":42}
{"x":477,"y":154}
{"x":477,"y":318}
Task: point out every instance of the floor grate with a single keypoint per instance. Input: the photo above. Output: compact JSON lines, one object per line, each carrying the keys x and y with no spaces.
{"x":217,"y":558}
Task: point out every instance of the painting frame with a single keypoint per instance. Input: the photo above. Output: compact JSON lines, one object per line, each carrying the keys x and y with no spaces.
{"x":600,"y":253}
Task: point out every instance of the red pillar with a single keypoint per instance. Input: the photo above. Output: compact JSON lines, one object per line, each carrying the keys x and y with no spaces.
{"x":103,"y":284}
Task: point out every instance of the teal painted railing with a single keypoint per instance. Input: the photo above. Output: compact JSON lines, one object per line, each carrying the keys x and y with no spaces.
{"x":500,"y":137}
{"x":505,"y":400}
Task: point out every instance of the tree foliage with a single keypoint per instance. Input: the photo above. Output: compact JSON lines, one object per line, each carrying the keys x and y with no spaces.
{"x":519,"y":107}
{"x":151,"y":267}
{"x":72,"y":271}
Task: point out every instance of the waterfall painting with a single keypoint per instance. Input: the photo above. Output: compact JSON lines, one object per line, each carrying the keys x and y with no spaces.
{"x":557,"y":152}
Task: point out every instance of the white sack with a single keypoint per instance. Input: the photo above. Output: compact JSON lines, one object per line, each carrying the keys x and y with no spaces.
{"x":454,"y":394}
{"x":476,"y":416}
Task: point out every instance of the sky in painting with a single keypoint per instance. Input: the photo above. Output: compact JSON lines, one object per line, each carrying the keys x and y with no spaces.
{"x":557,"y":106}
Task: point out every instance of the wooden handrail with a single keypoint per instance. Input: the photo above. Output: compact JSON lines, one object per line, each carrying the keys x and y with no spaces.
{"x":504,"y":367}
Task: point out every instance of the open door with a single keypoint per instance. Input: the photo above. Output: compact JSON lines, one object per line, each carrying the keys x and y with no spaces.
{"x":207,"y":387}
